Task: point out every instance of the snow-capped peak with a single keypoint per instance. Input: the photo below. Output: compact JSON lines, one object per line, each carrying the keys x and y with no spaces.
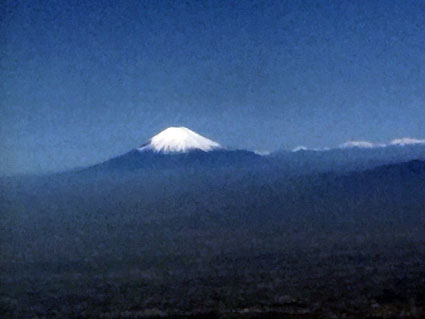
{"x":360,"y":144}
{"x":300,"y":148}
{"x":179,"y":139}
{"x":407,"y":141}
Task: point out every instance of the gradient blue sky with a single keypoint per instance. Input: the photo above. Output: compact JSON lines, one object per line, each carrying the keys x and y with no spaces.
{"x":83,"y":81}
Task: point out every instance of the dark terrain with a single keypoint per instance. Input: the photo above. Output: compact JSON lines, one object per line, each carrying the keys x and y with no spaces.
{"x":221,"y":243}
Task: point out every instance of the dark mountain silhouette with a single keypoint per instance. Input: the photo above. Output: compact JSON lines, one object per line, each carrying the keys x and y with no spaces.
{"x":136,"y":159}
{"x":347,"y":159}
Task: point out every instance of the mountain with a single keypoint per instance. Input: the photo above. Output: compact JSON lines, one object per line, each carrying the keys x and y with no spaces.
{"x":407,"y":141}
{"x":351,"y":156}
{"x":178,"y":147}
{"x":179,"y":140}
{"x":411,"y":169}
{"x":398,"y":185}
{"x":360,"y":144}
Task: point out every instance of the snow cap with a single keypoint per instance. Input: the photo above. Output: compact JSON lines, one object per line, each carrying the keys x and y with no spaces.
{"x":179,"y":139}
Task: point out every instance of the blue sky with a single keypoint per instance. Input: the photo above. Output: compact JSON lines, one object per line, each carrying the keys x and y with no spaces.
{"x":83,"y":81}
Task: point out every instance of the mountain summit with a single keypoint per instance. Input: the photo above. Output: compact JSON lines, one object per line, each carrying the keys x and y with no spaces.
{"x":179,"y":147}
{"x":179,"y":139}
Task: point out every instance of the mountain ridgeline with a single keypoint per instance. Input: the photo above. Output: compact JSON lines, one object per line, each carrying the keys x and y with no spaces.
{"x":182,"y":227}
{"x":179,"y":147}
{"x":137,"y":159}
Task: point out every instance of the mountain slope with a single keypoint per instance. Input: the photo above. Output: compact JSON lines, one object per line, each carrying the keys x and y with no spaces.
{"x":347,"y":159}
{"x":135,"y":159}
{"x":178,"y":147}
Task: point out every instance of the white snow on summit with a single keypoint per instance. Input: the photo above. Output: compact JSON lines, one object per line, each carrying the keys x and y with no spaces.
{"x":300,"y":148}
{"x":360,"y":144}
{"x":366,"y":144}
{"x":407,"y":141}
{"x":179,"y":139}
{"x":304,"y":148}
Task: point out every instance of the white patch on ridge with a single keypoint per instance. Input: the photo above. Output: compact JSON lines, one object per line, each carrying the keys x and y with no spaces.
{"x":360,"y":144}
{"x":300,"y":148}
{"x":406,"y":141}
{"x":262,"y":152}
{"x":179,"y":139}
{"x":304,"y":148}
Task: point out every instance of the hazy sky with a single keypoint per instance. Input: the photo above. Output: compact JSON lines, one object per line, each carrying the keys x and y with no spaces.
{"x":82,"y":81}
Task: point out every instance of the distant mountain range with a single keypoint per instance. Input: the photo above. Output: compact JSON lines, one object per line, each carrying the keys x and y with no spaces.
{"x":347,"y":159}
{"x":180,"y":147}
